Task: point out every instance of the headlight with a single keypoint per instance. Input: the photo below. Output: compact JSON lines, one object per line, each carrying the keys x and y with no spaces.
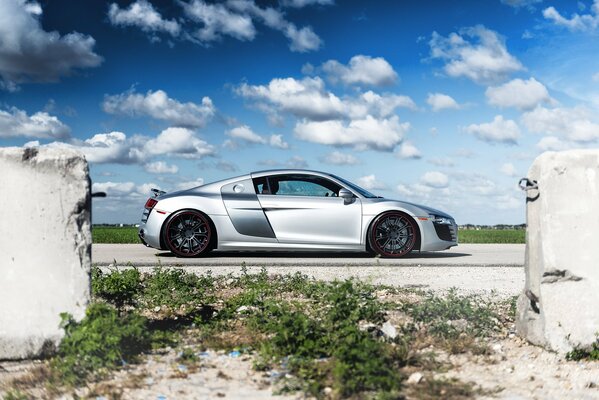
{"x":441,"y":220}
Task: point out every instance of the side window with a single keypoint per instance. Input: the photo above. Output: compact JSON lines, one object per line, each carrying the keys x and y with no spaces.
{"x":302,"y":185}
{"x":261,"y":185}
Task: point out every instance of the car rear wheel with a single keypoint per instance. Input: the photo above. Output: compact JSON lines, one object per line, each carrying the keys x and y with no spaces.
{"x":187,"y":233}
{"x":393,"y":234}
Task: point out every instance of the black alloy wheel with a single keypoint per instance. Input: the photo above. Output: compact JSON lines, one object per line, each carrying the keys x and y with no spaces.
{"x":393,"y":234}
{"x":187,"y":233}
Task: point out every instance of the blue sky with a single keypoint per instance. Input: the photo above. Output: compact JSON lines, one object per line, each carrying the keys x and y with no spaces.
{"x":436,"y":102}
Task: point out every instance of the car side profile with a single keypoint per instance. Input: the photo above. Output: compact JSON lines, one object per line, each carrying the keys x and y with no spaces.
{"x":290,"y":210}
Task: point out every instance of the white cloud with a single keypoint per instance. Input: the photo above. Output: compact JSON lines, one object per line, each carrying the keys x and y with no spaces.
{"x":29,"y":53}
{"x":595,"y":77}
{"x":361,"y":70}
{"x":112,"y":147}
{"x":442,"y":161}
{"x":408,"y":151}
{"x":142,"y":15}
{"x":370,"y":182}
{"x":524,"y":95}
{"x":16,"y":123}
{"x":339,"y":158}
{"x":577,"y":124}
{"x":509,"y":170}
{"x":114,"y":188}
{"x":308,"y":98}
{"x":304,"y":3}
{"x":552,"y":143}
{"x":521,"y":3}
{"x":235,"y":18}
{"x":217,"y":20}
{"x":178,"y":141}
{"x":159,"y":106}
{"x":296,"y":162}
{"x":189,"y":184}
{"x":476,"y":53}
{"x":362,"y":134}
{"x":247,"y":135}
{"x":160,"y":167}
{"x":278,"y":142}
{"x":440,"y":101}
{"x":499,"y":130}
{"x":435,"y":179}
{"x":584,"y":22}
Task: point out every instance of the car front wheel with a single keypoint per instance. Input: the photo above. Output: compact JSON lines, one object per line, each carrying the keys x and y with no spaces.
{"x":393,"y":234}
{"x":188,"y":233}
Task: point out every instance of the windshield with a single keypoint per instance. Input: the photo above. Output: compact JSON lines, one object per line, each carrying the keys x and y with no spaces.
{"x":355,"y":187}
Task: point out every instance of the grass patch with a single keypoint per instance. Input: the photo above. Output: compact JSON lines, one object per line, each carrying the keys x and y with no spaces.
{"x":492,"y":236}
{"x":578,"y":353}
{"x":326,"y":339}
{"x":114,"y":234}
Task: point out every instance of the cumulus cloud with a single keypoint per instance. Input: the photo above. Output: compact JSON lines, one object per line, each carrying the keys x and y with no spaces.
{"x":362,"y":134}
{"x":304,"y":3}
{"x":408,"y":151}
{"x":278,"y":142}
{"x":158,"y":105}
{"x":236,"y":18}
{"x":293,"y":162}
{"x":435,"y":179}
{"x":339,"y":158}
{"x":370,"y":182}
{"x":178,"y":141}
{"x":518,"y":93}
{"x":442,"y":161}
{"x":577,"y":124}
{"x":509,"y":170}
{"x":28,"y":53}
{"x":584,"y":22}
{"x":218,"y":20}
{"x":361,"y":70}
{"x":552,"y":143}
{"x":476,"y":53}
{"x":440,"y":101}
{"x":160,"y":167}
{"x":189,"y":184}
{"x":245,"y":134}
{"x":499,"y":130}
{"x":308,"y":98}
{"x":16,"y":123}
{"x":105,"y":148}
{"x":521,"y":3}
{"x":142,"y":14}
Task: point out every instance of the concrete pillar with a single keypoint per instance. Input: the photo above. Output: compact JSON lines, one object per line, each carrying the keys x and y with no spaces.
{"x":559,"y":307}
{"x":45,"y":246}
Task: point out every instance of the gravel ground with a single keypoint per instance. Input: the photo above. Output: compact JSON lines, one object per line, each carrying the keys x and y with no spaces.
{"x":523,"y":371}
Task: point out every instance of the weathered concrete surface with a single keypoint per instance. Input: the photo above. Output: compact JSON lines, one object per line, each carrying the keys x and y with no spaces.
{"x":45,"y":246}
{"x":560,"y":304}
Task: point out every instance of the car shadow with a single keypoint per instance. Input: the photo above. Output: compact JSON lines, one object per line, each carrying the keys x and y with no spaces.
{"x":317,"y":254}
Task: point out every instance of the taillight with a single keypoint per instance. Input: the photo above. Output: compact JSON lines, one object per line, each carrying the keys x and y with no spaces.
{"x":151,"y":203}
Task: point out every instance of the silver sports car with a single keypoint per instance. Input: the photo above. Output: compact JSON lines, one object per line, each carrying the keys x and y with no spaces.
{"x":290,"y":210}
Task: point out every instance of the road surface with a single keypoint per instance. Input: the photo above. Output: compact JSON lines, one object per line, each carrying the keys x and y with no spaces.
{"x":470,"y":267}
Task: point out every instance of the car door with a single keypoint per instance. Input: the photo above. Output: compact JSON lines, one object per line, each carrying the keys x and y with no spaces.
{"x":304,"y":208}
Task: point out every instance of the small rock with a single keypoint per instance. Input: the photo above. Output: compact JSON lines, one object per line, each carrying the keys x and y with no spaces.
{"x":327,"y":390}
{"x":415,"y":378}
{"x":591,"y":385}
{"x":157,"y":308}
{"x":242,"y":309}
{"x":497,"y":348}
{"x":389,"y":330}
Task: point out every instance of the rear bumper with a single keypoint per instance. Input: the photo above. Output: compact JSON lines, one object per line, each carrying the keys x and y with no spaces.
{"x":150,"y":231}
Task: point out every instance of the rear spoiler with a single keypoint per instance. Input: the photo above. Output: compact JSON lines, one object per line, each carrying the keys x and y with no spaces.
{"x":157,"y":192}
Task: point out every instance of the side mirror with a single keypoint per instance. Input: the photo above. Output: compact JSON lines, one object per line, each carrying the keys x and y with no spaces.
{"x":346,"y":194}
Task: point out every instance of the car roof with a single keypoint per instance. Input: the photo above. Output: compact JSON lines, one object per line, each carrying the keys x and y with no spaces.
{"x":257,"y":174}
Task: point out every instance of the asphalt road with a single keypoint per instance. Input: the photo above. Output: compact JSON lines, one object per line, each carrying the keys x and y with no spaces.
{"x":470,"y":267}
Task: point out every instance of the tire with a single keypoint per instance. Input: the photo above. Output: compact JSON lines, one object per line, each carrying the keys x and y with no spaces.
{"x":188,"y":233}
{"x":393,"y":234}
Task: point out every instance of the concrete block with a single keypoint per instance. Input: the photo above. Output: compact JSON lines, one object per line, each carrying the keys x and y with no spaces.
{"x":45,"y":246}
{"x":559,"y":307}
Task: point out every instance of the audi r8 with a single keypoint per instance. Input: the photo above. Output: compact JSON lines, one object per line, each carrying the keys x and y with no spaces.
{"x":290,"y":210}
